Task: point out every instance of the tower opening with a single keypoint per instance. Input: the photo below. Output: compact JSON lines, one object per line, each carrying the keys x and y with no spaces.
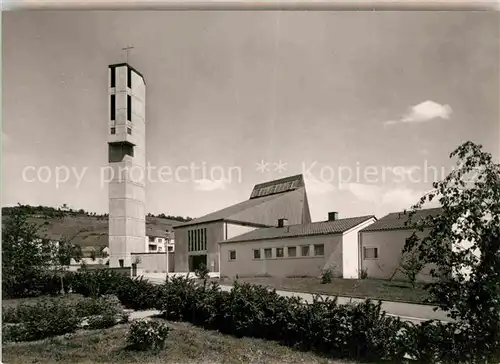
{"x":117,"y":151}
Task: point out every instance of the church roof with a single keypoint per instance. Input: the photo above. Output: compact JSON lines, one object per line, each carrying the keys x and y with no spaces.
{"x":265,"y":205}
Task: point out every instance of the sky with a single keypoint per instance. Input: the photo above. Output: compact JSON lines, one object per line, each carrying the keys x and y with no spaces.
{"x":367,"y":105}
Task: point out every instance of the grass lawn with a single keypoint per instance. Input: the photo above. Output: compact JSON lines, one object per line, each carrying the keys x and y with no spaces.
{"x":362,"y":288}
{"x":185,"y":344}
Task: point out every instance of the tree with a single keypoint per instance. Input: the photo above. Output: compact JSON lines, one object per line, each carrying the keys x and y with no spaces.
{"x":25,"y":254}
{"x":464,"y":246}
{"x":411,"y":266}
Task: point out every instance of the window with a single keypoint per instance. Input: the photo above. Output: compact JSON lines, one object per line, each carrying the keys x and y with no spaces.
{"x":113,"y":76}
{"x":319,"y":250}
{"x":232,"y":255}
{"x":120,"y":261}
{"x":129,"y":108}
{"x":113,"y":107}
{"x":256,"y":254}
{"x":113,"y":130}
{"x":129,"y":131}
{"x":304,"y":250}
{"x":151,"y":238}
{"x":204,"y":238}
{"x":152,"y":247}
{"x":197,"y":240}
{"x":279,"y":253}
{"x":292,"y":251}
{"x":268,"y":253}
{"x":170,"y":248}
{"x":370,"y":253}
{"x":129,"y":77}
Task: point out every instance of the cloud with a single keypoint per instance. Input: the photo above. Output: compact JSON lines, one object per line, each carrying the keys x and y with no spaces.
{"x":315,"y":187}
{"x":209,"y":185}
{"x":423,"y":112}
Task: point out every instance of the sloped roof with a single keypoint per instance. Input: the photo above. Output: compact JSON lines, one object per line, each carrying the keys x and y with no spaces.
{"x":227,"y":212}
{"x":316,"y":228}
{"x":397,"y":220}
{"x":266,"y":205}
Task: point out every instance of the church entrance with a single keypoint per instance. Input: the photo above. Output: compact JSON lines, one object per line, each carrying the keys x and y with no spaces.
{"x":196,"y":261}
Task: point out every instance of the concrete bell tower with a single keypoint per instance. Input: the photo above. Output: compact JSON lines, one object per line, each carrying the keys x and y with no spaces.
{"x":127,"y":161}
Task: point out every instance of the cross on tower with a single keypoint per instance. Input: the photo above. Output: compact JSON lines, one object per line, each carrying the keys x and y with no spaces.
{"x":127,"y":49}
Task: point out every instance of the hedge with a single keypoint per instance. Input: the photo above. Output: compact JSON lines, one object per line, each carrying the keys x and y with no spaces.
{"x":359,"y":331}
{"x":356,"y":331}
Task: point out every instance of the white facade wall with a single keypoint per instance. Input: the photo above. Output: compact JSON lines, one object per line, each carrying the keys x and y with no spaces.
{"x":232,"y":230}
{"x":351,"y":251}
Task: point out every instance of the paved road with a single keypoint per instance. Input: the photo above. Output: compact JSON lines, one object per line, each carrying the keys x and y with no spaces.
{"x":406,"y":311}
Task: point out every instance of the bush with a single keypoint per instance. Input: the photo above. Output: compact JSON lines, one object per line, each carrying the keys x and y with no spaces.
{"x":9,"y":315}
{"x":202,"y":272}
{"x":105,"y":305}
{"x":356,"y":331}
{"x":45,"y":318}
{"x":32,"y":284}
{"x":147,"y":335}
{"x":363,"y":273}
{"x":327,"y":276}
{"x":102,"y":321}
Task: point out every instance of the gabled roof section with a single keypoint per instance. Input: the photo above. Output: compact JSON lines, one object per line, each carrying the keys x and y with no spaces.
{"x":227,"y":212}
{"x":397,"y":220}
{"x":316,"y":228}
{"x":267,"y":205}
{"x":277,"y":186}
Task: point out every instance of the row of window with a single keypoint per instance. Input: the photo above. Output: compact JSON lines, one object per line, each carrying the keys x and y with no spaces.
{"x":319,"y":251}
{"x":129,"y":77}
{"x":282,"y":187}
{"x":197,"y":240}
{"x":113,"y":107}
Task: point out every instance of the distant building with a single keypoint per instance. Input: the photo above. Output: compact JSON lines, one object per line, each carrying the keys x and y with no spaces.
{"x":159,"y":244}
{"x":296,"y":250}
{"x":197,"y":241}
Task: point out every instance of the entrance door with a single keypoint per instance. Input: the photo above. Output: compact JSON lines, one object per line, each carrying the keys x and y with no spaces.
{"x":196,"y":261}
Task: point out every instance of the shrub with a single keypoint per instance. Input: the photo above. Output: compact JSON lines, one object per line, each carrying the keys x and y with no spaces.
{"x":327,"y":276}
{"x":202,"y":272}
{"x":102,"y":321}
{"x":32,"y":284}
{"x":105,"y":305}
{"x":9,"y":315}
{"x":47,"y":317}
{"x":147,"y":335}
{"x":363,"y":273}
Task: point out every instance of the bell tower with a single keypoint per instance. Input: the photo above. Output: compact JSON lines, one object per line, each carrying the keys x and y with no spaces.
{"x":127,"y":161}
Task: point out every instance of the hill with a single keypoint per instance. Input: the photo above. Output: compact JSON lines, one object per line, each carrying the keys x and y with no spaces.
{"x":87,"y":229}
